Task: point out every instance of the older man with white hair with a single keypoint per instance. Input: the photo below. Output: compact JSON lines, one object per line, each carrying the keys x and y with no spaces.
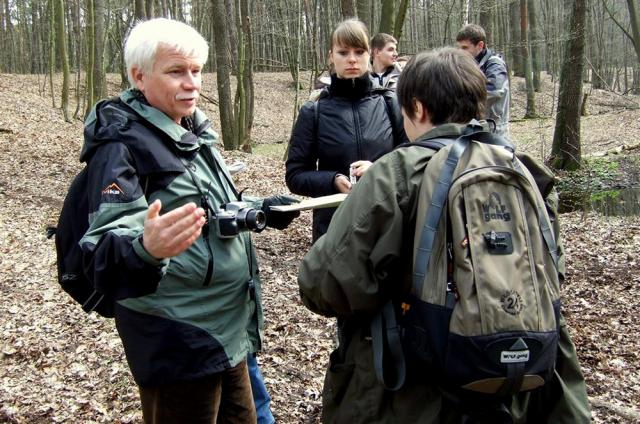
{"x":179,"y":268}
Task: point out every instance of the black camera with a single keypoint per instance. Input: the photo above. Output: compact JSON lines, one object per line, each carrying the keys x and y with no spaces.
{"x":234,"y":217}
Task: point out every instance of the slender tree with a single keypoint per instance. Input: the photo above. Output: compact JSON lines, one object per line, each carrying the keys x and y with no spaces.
{"x":229,"y":8}
{"x":221,"y":41}
{"x":524,"y":43}
{"x":634,"y":18}
{"x":52,"y":49}
{"x":99,"y":76}
{"x":535,"y":43}
{"x":486,"y":18}
{"x":399,"y":21}
{"x":139,"y":10}
{"x":90,"y":38}
{"x":566,"y":151}
{"x":64,"y":60}
{"x":348,"y":8}
{"x":387,"y":16}
{"x":516,"y":52}
{"x":364,"y":13}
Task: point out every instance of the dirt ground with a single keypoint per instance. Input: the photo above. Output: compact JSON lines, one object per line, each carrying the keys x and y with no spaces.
{"x":59,"y":365}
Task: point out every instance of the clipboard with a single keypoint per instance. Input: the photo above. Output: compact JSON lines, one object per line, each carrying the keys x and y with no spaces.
{"x":313,"y":203}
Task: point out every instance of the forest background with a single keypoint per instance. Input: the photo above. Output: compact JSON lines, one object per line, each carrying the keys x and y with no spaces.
{"x":575,"y":77}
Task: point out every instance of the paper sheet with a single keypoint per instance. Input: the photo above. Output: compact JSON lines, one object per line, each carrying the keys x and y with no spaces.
{"x":313,"y":203}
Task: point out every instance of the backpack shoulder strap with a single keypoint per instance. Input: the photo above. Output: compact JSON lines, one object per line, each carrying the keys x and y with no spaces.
{"x":473,"y":131}
{"x":316,"y":112}
{"x":392,"y":109}
{"x":433,"y":144}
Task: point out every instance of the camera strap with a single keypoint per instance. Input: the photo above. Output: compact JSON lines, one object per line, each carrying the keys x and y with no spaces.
{"x":213,"y":162}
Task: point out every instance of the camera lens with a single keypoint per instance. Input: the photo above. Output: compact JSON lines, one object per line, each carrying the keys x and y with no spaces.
{"x":252,"y":219}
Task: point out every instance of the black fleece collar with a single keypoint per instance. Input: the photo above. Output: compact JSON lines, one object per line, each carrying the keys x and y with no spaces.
{"x":354,"y":88}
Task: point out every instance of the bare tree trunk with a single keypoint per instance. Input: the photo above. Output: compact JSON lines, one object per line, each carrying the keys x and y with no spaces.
{"x":487,"y":11}
{"x":364,"y":13}
{"x":240,"y":106}
{"x":524,"y":33}
{"x":399,"y":23}
{"x":99,"y":77}
{"x":10,"y":45}
{"x":79,"y":58}
{"x":233,"y":33}
{"x":91,"y":55}
{"x":139,"y":10}
{"x":244,"y":91}
{"x":52,"y":49}
{"x":220,"y":33}
{"x":149,"y":9}
{"x":3,"y":40}
{"x":387,"y":16}
{"x":249,"y":87}
{"x":566,"y":151}
{"x":634,"y":19}
{"x":348,"y":8}
{"x":62,"y":51}
{"x":516,"y":51}
{"x":534,"y":35}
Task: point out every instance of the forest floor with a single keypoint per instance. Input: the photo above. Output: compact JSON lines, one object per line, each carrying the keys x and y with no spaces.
{"x":59,"y":365}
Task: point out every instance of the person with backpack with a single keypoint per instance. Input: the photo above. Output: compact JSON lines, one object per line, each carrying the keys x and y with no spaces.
{"x":474,"y":227}
{"x":168,"y":248}
{"x":336,"y":138}
{"x":473,"y":39}
{"x":384,"y":61}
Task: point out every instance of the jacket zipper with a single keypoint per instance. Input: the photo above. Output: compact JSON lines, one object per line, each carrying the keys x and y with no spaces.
{"x":356,"y":122}
{"x":205,"y":238}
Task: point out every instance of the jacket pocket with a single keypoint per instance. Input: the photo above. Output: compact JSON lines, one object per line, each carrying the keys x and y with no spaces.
{"x":337,"y":379}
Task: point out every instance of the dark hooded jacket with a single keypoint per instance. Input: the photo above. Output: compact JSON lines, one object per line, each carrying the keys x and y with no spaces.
{"x":350,"y":121}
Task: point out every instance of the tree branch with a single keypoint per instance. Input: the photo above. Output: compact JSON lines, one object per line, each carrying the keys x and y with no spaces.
{"x":615,"y":21}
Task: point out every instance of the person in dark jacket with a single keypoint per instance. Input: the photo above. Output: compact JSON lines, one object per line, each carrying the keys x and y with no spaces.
{"x":346,"y":129}
{"x":473,"y":39}
{"x":186,"y":287}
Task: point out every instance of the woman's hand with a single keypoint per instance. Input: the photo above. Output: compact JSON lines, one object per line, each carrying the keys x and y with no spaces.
{"x":358,"y":168}
{"x":342,"y":184}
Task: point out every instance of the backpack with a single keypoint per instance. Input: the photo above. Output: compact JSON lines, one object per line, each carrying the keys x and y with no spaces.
{"x":483,"y":312}
{"x":73,"y":223}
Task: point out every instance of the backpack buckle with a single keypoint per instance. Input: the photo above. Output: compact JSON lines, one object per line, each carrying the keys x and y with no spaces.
{"x":498,"y":243}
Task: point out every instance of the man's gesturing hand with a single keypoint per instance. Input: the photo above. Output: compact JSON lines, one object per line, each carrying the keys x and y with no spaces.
{"x":172,"y":233}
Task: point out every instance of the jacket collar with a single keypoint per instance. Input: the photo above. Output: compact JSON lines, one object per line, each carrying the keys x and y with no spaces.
{"x":352,"y":88}
{"x":186,"y":139}
{"x":449,"y":130}
{"x":483,"y":56}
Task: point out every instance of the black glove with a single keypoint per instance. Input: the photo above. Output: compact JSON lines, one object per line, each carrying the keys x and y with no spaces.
{"x":277,"y":219}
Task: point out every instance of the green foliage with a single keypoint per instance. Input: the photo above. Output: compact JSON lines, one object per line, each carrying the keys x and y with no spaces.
{"x":595,"y":174}
{"x":602,"y":196}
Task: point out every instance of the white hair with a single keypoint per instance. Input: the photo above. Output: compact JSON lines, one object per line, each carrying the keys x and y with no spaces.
{"x":144,"y":39}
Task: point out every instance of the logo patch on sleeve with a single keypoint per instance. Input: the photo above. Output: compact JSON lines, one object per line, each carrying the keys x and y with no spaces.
{"x":112,"y":189}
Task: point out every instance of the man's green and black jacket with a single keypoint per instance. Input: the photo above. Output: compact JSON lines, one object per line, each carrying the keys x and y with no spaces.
{"x":175,"y":324}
